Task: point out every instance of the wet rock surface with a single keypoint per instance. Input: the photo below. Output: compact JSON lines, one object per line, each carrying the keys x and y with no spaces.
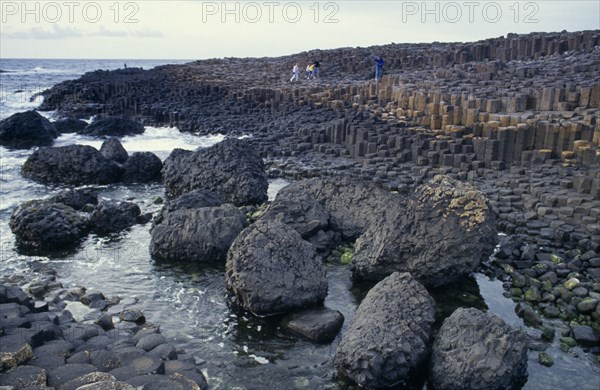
{"x":320,"y":324}
{"x":54,"y":351}
{"x":113,"y":150}
{"x":441,"y":233}
{"x":113,"y":127}
{"x":230,"y":168}
{"x":114,"y":216}
{"x":270,"y":269}
{"x":462,"y":355}
{"x":196,"y":234}
{"x":69,"y":125}
{"x":40,"y":226}
{"x":388,"y":339}
{"x":142,"y":167}
{"x":73,"y":164}
{"x":25,"y":130}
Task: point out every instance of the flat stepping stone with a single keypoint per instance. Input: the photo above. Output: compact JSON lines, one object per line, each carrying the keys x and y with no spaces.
{"x":319,"y":325}
{"x":107,"y":385}
{"x":61,"y":375}
{"x":151,"y":341}
{"x":132,"y":315}
{"x":160,"y":382}
{"x":141,"y":366}
{"x":24,"y":376}
{"x":92,"y":377}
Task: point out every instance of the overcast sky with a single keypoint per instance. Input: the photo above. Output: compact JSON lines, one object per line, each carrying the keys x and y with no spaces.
{"x":192,"y":29}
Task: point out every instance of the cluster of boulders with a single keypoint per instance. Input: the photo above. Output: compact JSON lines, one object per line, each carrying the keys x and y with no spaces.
{"x":25,"y":130}
{"x":83,"y":164}
{"x":111,"y":346}
{"x":61,"y":222}
{"x":439,"y":233}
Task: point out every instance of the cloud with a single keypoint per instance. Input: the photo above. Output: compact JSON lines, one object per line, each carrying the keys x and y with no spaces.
{"x":147,"y":33}
{"x":56,"y":32}
{"x":104,"y":32}
{"x":59,"y":33}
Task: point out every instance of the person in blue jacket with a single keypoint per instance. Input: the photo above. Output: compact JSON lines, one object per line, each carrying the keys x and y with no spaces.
{"x":378,"y":67}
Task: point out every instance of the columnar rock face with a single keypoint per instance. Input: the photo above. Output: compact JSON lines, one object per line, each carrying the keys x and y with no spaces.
{"x":73,"y":164}
{"x":440,"y":234}
{"x":231,"y":169}
{"x":47,"y":226}
{"x":389,"y":335}
{"x":476,"y":350}
{"x":270,"y":269}
{"x":196,"y":234}
{"x":25,"y":130}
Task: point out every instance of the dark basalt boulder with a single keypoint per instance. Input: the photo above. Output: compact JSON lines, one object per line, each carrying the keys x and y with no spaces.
{"x":477,"y":350}
{"x":196,"y":235}
{"x":113,"y":127}
{"x":441,"y":233}
{"x":142,"y":167}
{"x":230,"y":168}
{"x":113,"y":150}
{"x":192,"y":200}
{"x":25,"y":130}
{"x":47,"y":226}
{"x":320,"y":324}
{"x":387,"y":340}
{"x":270,"y":269}
{"x":351,"y":205}
{"x":69,"y":125}
{"x":73,"y":164}
{"x":78,"y":199}
{"x":111,"y":216}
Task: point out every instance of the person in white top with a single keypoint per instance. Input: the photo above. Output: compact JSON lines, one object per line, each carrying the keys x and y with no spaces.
{"x":296,"y":73}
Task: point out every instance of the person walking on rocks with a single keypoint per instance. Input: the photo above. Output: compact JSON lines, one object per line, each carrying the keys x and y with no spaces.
{"x":295,"y":73}
{"x":317,"y":69}
{"x":378,"y":67}
{"x":310,"y":71}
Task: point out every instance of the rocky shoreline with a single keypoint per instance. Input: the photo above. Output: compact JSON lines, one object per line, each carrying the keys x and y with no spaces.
{"x":68,"y":339}
{"x":419,"y":171}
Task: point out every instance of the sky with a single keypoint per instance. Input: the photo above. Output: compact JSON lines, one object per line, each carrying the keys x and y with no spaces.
{"x":194,"y":29}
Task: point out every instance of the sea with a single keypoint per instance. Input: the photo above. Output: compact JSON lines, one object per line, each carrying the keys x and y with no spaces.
{"x":235,"y":351}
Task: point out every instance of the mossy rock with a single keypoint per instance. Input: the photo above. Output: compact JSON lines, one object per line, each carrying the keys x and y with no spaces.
{"x":568,"y":341}
{"x":516,"y":292}
{"x":556,"y":259}
{"x":346,"y":258}
{"x":532,"y":295}
{"x":571,"y":283}
{"x":545,"y":360}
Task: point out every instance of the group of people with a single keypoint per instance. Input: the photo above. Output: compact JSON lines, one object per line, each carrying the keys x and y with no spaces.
{"x":313,"y":70}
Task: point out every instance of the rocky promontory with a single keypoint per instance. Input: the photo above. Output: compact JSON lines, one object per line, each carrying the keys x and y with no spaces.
{"x":418,"y":172}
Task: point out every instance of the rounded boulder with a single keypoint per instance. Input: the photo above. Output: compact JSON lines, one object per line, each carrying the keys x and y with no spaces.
{"x":387,"y":341}
{"x":477,"y":350}
{"x":73,"y":164}
{"x":270,"y":269}
{"x":25,"y":130}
